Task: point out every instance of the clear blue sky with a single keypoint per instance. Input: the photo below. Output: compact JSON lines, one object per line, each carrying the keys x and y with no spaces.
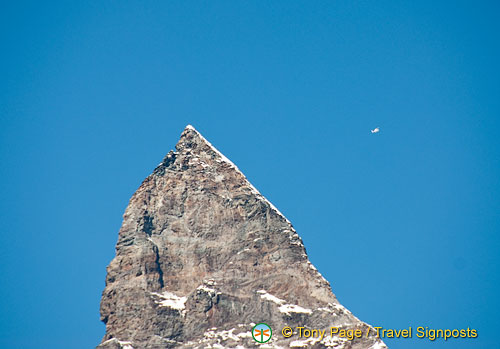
{"x":404,"y":223}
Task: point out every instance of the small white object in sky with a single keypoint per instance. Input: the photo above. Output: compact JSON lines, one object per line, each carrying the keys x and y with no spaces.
{"x":376,"y":130}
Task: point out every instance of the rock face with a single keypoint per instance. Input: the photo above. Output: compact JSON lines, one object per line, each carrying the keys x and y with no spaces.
{"x":202,"y":257}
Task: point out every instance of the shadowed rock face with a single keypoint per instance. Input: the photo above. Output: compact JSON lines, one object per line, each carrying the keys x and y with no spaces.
{"x":202,"y":257}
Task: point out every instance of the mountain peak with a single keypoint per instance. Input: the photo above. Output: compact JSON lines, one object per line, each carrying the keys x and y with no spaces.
{"x":202,"y":256}
{"x":192,"y":141}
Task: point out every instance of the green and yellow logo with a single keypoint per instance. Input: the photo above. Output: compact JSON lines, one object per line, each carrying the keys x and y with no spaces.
{"x":262,"y":333}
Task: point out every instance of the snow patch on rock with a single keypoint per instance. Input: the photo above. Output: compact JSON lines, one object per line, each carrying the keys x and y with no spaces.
{"x":304,"y":343}
{"x":378,"y":345}
{"x":292,"y":308}
{"x":170,"y":300}
{"x":123,"y":344}
{"x":204,"y":288}
{"x":284,"y":308}
{"x":270,"y":297}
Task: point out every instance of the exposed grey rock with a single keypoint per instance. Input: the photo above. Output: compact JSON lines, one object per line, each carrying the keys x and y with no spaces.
{"x":202,"y":256}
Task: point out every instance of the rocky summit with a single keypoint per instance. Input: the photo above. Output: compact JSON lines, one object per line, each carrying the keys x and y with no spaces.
{"x":202,"y":257}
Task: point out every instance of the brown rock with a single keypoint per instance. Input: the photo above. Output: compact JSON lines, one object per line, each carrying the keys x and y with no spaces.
{"x":202,"y":256}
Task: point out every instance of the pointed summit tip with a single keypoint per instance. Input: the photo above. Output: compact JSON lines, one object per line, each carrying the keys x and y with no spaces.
{"x":191,"y":139}
{"x":190,"y":127}
{"x":189,"y":130}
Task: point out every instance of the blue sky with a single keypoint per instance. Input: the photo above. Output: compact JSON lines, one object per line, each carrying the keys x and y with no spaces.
{"x":404,"y":223}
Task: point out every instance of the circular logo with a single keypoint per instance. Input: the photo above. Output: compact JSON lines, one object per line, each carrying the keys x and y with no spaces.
{"x":262,"y":333}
